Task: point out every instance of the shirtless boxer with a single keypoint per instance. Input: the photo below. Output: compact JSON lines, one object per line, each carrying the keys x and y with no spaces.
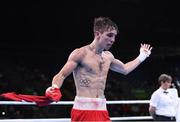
{"x":90,"y":65}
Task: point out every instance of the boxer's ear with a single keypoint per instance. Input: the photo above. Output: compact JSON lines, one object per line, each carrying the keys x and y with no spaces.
{"x":97,"y":35}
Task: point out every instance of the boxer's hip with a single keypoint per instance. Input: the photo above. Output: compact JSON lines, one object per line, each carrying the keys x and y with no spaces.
{"x":85,"y":103}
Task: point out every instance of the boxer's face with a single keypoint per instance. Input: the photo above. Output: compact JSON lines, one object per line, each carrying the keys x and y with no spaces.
{"x":107,"y":39}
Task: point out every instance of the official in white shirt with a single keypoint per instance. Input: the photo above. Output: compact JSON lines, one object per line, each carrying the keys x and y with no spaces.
{"x":164,"y":100}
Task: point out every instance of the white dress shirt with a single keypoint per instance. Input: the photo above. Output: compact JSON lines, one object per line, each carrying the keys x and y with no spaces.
{"x":165,"y":102}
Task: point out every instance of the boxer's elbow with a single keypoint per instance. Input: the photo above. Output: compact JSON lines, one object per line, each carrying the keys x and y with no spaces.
{"x":125,"y":72}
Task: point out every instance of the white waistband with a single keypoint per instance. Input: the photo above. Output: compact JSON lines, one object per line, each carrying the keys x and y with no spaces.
{"x":85,"y":103}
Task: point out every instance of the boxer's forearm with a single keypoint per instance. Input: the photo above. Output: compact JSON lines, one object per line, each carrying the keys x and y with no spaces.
{"x":58,"y":80}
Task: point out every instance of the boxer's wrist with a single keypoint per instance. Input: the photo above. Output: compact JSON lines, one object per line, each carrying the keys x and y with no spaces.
{"x":143,"y":54}
{"x":55,"y":86}
{"x":141,"y":57}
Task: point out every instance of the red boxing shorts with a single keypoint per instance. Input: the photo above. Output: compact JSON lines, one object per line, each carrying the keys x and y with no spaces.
{"x":89,"y":109}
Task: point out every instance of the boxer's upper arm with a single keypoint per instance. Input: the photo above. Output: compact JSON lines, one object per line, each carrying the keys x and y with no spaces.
{"x":73,"y":60}
{"x":116,"y":65}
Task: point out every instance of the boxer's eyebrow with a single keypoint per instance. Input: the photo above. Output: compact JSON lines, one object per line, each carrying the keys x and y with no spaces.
{"x":111,"y":34}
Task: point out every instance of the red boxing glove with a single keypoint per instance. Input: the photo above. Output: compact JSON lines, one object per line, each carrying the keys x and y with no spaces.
{"x":53,"y":94}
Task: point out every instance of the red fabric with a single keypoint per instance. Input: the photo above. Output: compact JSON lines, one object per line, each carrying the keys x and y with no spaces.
{"x":39,"y":100}
{"x":89,"y":115}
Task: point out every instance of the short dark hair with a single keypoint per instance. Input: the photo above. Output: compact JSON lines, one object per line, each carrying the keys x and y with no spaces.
{"x":102,"y":24}
{"x":164,"y":78}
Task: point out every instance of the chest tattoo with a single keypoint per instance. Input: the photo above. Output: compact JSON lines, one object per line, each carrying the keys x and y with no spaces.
{"x":84,"y":83}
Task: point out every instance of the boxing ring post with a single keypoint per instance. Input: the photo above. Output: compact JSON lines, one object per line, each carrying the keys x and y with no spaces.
{"x":71,"y":103}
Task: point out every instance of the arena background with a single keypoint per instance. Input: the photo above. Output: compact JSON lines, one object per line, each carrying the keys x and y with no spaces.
{"x":37,"y":37}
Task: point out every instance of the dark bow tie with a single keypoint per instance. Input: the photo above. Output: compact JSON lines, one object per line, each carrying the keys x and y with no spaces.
{"x":165,"y":92}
